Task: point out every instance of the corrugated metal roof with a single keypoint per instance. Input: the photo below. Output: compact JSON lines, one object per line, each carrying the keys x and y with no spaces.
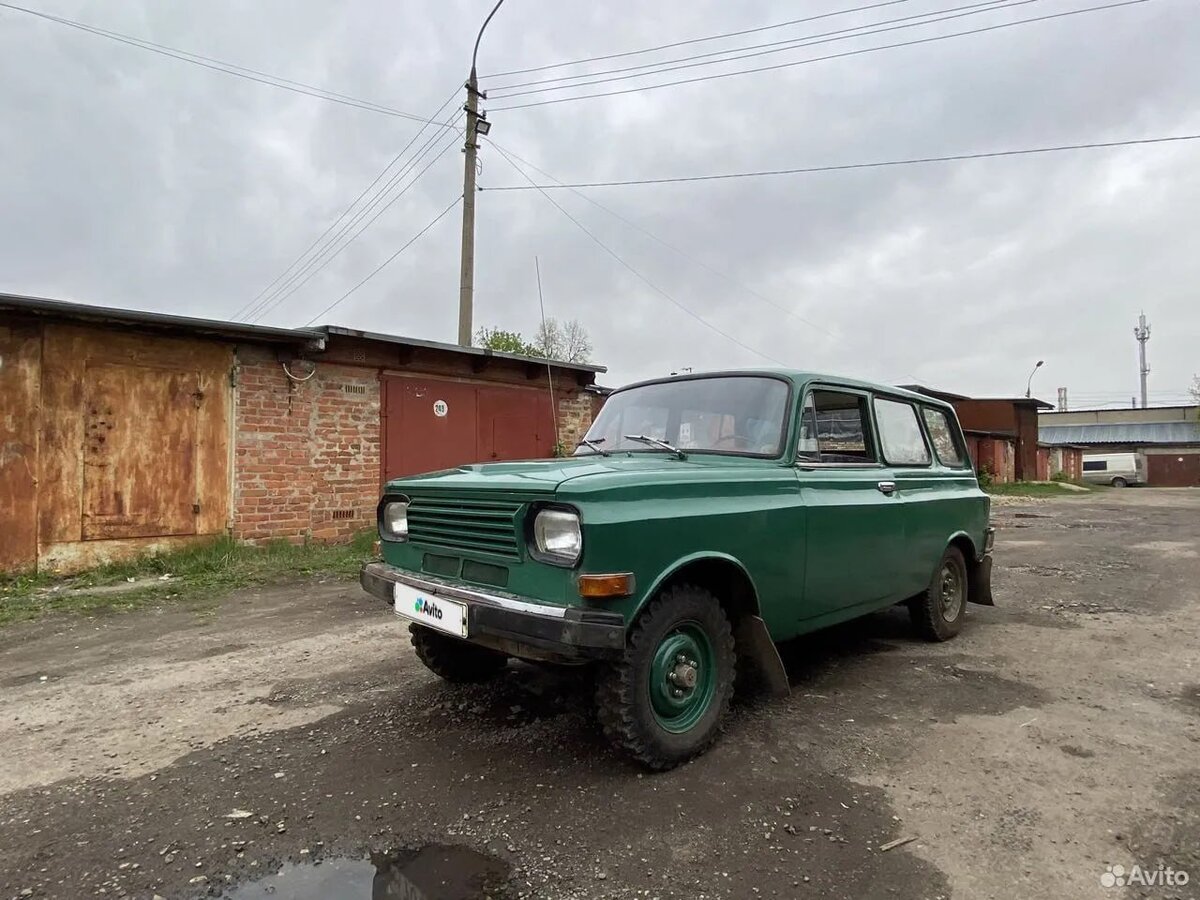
{"x":314,"y":338}
{"x":455,"y":348}
{"x":1139,"y":433}
{"x":86,"y":312}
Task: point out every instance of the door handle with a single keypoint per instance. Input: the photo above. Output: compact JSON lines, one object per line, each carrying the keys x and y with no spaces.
{"x":887,"y":487}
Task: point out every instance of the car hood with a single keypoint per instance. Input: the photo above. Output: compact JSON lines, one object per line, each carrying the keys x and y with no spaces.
{"x":545,"y":476}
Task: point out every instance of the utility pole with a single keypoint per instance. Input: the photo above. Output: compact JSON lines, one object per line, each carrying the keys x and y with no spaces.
{"x":1142,"y":333}
{"x":466,"y":283}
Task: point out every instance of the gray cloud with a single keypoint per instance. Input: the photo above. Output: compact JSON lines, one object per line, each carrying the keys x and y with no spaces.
{"x":134,"y":180}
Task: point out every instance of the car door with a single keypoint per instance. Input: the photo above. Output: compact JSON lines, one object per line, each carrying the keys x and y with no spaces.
{"x":930,"y":494}
{"x":855,"y":540}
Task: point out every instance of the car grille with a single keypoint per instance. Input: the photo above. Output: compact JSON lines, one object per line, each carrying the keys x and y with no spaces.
{"x":488,"y":526}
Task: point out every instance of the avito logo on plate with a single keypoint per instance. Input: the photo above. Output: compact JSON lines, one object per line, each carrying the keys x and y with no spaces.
{"x":425,"y":608}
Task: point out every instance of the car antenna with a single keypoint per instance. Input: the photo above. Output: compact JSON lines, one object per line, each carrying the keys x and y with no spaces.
{"x":558,"y":447}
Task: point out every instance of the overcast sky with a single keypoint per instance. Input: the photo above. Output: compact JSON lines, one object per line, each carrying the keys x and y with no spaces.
{"x":131,"y":179}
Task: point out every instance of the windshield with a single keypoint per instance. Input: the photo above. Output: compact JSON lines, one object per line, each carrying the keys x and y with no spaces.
{"x":740,"y":414}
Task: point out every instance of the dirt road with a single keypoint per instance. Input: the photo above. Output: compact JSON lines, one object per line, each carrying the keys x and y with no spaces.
{"x":173,"y":754}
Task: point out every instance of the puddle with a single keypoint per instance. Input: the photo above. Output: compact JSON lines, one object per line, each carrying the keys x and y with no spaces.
{"x":434,"y":872}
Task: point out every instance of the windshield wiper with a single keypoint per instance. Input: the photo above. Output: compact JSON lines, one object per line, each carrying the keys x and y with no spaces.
{"x":593,"y":444}
{"x":655,"y":442}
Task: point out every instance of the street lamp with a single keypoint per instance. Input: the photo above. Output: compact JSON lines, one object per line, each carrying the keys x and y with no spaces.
{"x":476,"y":125}
{"x":1029,"y":383}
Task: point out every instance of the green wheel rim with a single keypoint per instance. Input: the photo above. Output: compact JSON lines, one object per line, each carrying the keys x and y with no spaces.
{"x":683,"y":678}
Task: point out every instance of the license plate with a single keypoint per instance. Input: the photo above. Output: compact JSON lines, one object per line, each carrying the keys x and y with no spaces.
{"x":429,"y":609}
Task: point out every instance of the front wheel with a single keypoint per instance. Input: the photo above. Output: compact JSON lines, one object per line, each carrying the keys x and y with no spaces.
{"x":663,"y":701}
{"x":453,"y":659}
{"x":938,"y":613}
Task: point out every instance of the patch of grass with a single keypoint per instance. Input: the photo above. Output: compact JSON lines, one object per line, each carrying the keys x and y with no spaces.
{"x":220,"y":565}
{"x":1040,"y":489}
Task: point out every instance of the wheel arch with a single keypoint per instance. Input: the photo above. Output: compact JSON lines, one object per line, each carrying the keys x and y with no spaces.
{"x":734,"y":588}
{"x":721,"y":573}
{"x":978,"y":581}
{"x":966,"y":546}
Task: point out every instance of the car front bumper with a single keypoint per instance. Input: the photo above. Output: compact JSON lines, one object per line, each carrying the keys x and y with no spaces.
{"x":516,"y":625}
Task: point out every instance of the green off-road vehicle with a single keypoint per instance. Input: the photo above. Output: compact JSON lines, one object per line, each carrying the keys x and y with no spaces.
{"x":700,"y":521}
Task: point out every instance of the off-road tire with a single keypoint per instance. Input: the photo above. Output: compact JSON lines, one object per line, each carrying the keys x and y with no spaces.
{"x":926,"y":609}
{"x":623,"y":703}
{"x":455,"y":660}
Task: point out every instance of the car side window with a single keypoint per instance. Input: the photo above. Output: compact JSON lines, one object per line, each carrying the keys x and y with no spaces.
{"x":835,"y":428}
{"x":1095,"y":465}
{"x":900,"y":434}
{"x":937,"y":423}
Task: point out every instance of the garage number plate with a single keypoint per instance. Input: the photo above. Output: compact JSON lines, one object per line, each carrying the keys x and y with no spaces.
{"x":429,"y":609}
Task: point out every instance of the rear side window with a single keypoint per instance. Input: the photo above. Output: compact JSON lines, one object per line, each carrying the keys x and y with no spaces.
{"x":900,"y":434}
{"x":834,"y":428}
{"x":937,"y":423}
{"x":1095,"y":465}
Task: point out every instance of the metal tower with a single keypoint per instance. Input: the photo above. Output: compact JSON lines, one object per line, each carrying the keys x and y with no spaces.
{"x":1142,"y":333}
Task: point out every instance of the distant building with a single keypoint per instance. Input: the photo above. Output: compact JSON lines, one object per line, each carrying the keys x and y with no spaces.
{"x":1169,"y":436}
{"x":1002,"y":432}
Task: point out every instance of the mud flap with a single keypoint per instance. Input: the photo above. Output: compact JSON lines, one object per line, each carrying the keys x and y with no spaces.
{"x":979,"y":582}
{"x":754,"y":644}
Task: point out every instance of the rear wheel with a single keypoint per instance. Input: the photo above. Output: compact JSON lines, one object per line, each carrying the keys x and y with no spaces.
{"x":1120,"y":482}
{"x":938,"y":613}
{"x":663,"y":701}
{"x":455,"y":660}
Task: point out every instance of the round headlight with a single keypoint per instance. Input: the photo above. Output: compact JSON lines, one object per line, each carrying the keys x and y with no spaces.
{"x":393,"y":521}
{"x":556,"y":534}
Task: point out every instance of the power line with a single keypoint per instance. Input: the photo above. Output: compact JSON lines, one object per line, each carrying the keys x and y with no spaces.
{"x":331,"y":256}
{"x":286,"y":272}
{"x":634,"y":271}
{"x":385,"y":263}
{"x":802,"y":62}
{"x":696,"y":261}
{"x":700,"y":40}
{"x":327,"y":253}
{"x":218,"y":65}
{"x":811,"y":40}
{"x":807,"y":170}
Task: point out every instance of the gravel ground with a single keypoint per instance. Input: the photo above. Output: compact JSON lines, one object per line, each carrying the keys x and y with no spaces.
{"x":165,"y":753}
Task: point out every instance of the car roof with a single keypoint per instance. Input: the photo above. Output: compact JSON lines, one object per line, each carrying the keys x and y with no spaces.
{"x":800,"y":378}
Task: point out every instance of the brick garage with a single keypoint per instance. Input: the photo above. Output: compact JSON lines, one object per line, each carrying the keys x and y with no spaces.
{"x":317,"y":436}
{"x":306,"y":453}
{"x":165,"y":430}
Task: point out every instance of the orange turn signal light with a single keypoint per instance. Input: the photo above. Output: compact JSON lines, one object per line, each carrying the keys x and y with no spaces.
{"x":599,"y":587}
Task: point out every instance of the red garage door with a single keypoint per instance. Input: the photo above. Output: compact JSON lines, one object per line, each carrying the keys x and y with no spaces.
{"x":1173,"y":470}
{"x":435,"y":423}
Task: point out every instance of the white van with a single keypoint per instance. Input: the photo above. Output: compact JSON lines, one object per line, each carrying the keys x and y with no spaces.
{"x":1117,"y":469}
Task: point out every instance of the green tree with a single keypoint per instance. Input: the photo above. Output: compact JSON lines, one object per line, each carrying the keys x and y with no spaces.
{"x":505,"y":341}
{"x":563,"y":341}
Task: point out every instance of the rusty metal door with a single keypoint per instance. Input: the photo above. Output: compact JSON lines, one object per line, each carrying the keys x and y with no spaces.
{"x":20,"y":387}
{"x":1173,"y":470}
{"x":514,"y":424}
{"x":139,"y":454}
{"x":429,"y":424}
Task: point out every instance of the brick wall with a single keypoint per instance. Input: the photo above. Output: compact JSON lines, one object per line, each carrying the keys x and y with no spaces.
{"x":306,"y":453}
{"x":574,"y":419}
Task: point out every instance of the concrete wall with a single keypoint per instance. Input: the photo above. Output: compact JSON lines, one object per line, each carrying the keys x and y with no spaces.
{"x":1125,"y":416}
